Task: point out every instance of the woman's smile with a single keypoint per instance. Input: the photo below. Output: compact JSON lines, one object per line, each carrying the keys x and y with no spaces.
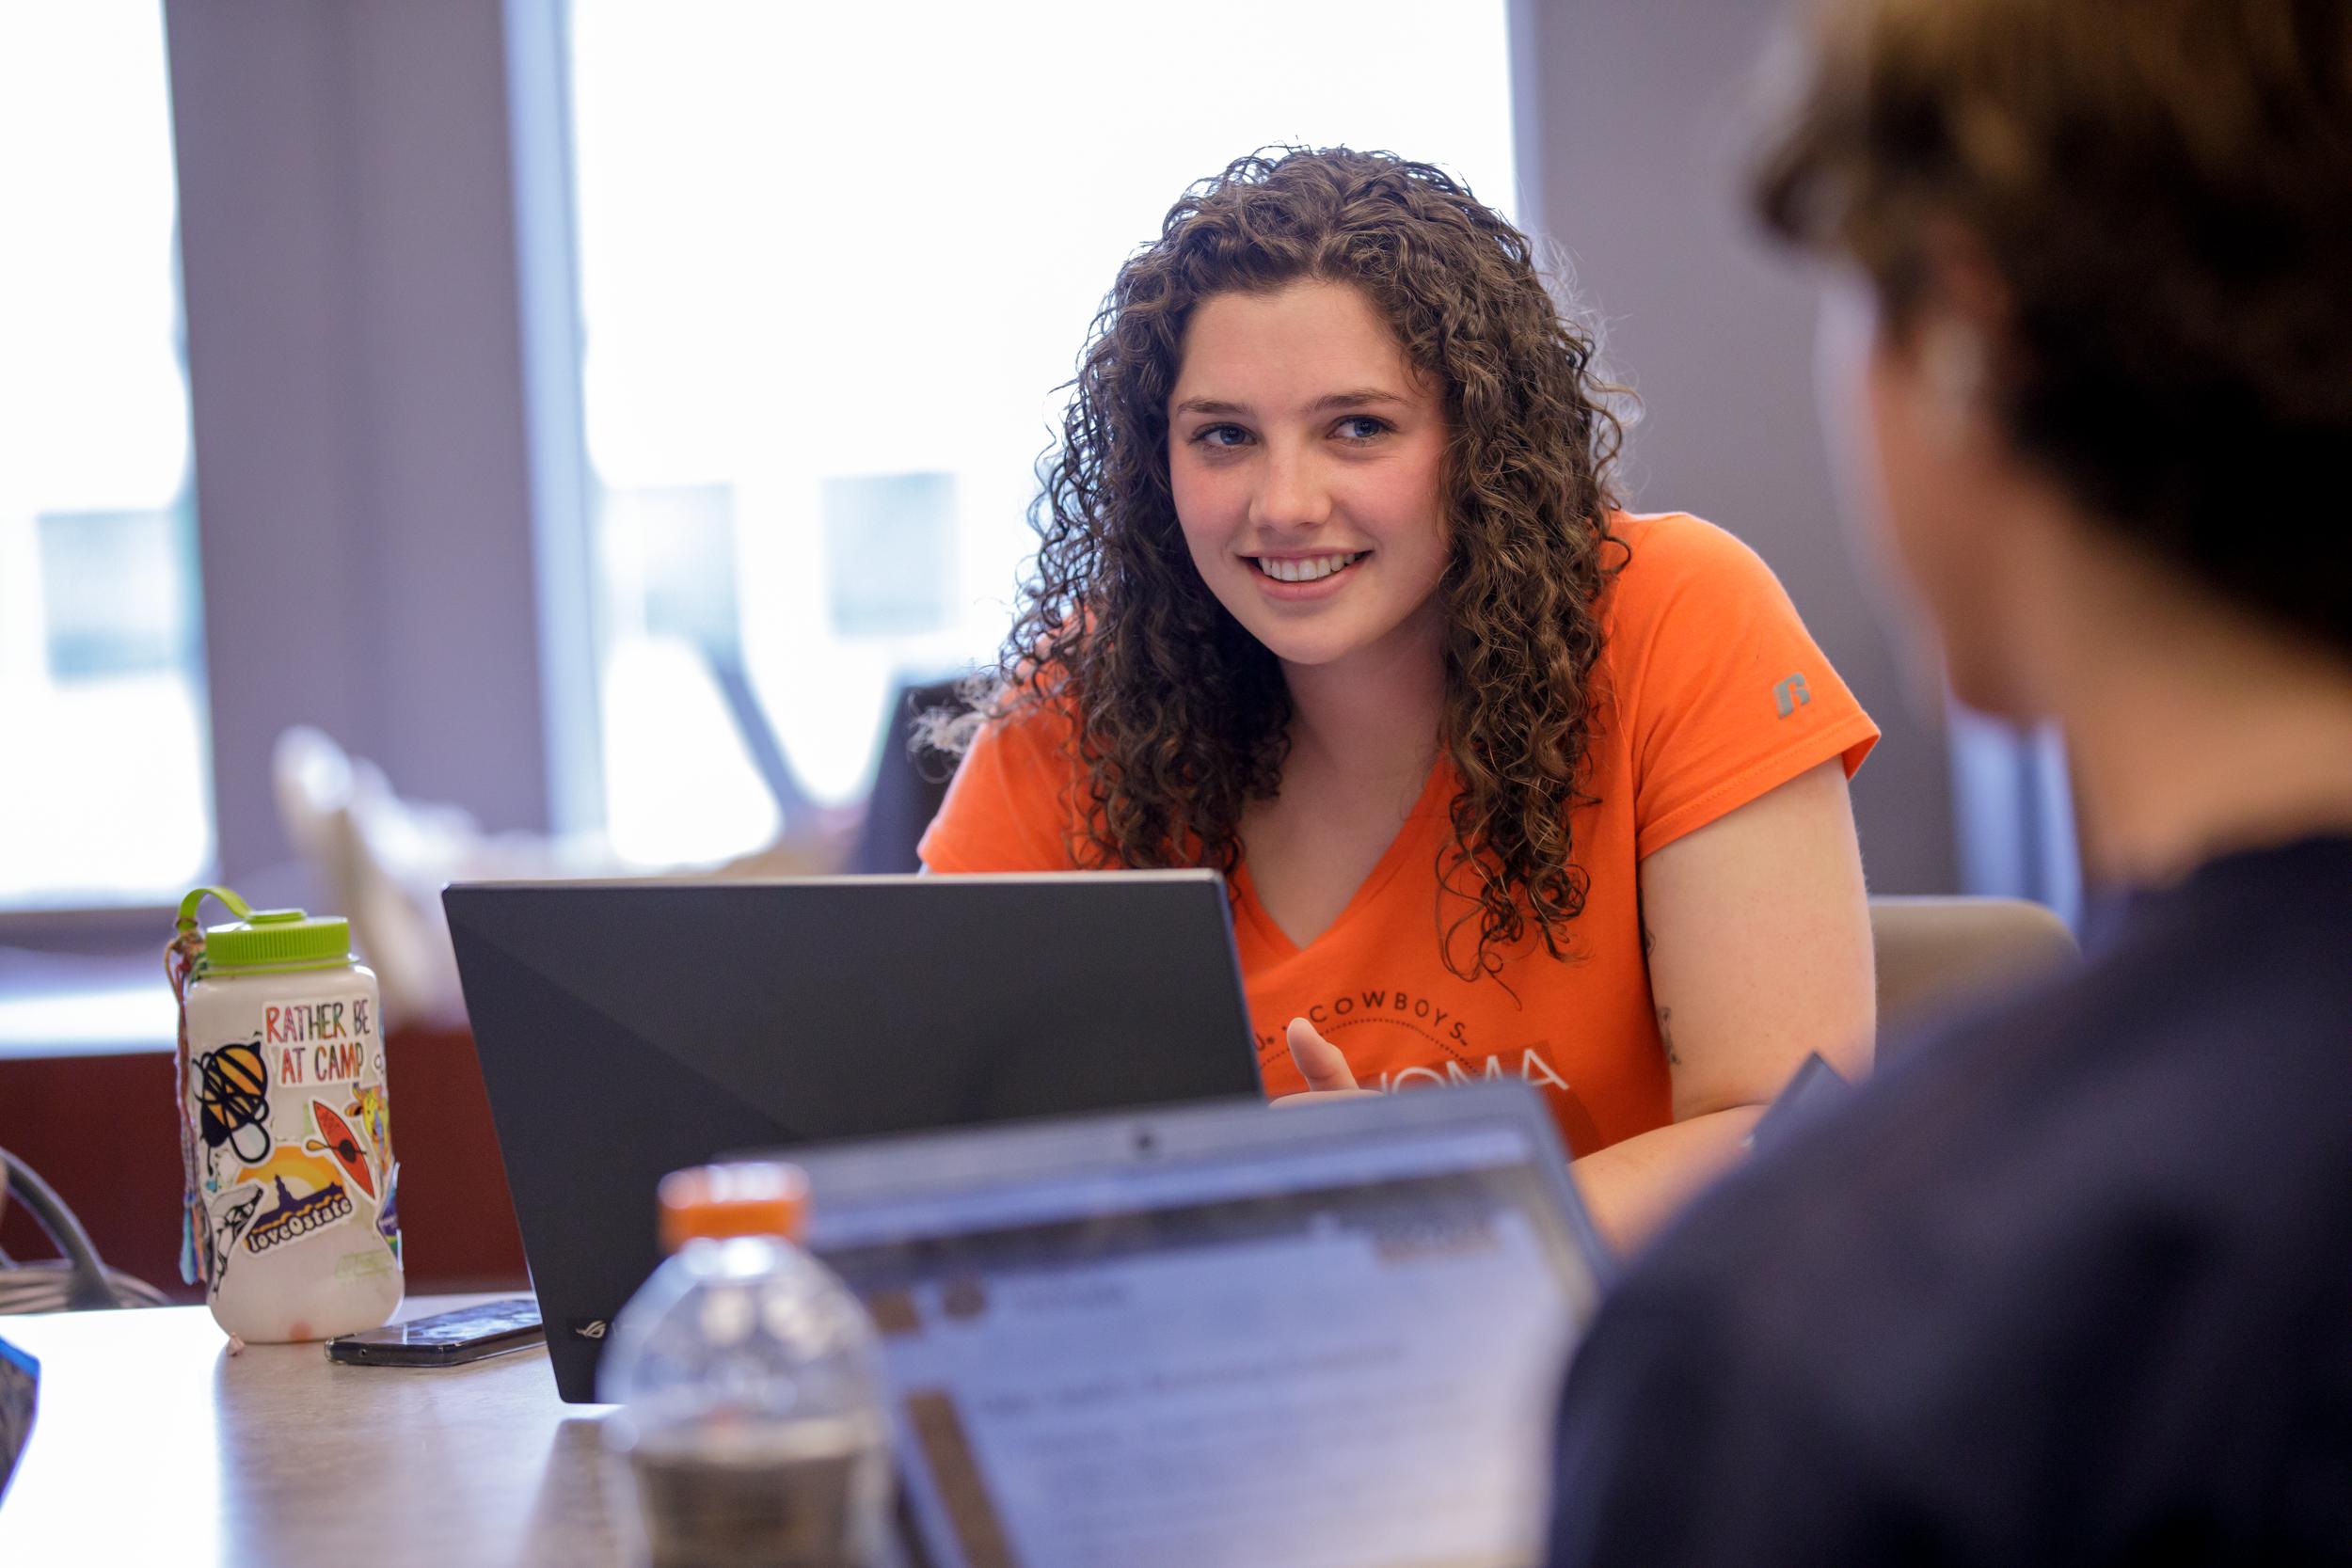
{"x":1310,"y":568}
{"x":1289,"y":579}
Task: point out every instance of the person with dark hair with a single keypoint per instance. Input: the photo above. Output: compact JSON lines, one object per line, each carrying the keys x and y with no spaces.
{"x":1333,"y":594}
{"x":2072,"y":1280}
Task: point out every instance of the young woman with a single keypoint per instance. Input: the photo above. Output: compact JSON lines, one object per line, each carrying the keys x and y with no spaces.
{"x":2073,"y":1284}
{"x":1333,"y":596}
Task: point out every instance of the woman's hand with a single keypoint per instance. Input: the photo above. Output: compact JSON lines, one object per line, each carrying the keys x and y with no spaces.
{"x":1323,"y":1065}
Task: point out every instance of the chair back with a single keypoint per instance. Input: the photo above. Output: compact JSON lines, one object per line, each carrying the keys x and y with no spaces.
{"x":909,"y":785}
{"x":1936,"y":953}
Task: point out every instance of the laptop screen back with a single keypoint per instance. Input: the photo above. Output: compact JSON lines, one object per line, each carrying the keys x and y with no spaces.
{"x":627,"y":1029}
{"x":1323,"y":1350}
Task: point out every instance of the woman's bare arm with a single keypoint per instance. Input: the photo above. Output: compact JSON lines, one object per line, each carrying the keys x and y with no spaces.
{"x":1759,"y":938}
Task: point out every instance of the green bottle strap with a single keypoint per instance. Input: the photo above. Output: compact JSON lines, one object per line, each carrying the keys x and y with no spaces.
{"x":237,"y":907}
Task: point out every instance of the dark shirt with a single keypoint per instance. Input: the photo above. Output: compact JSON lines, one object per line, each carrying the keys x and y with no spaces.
{"x":2070,"y":1282}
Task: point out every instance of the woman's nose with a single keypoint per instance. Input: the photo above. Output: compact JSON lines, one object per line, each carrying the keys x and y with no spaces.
{"x":1290,"y":494}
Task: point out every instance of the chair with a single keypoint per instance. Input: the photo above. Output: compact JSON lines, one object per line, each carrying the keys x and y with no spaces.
{"x":78,"y":1279}
{"x":909,"y":784}
{"x":1936,"y":953}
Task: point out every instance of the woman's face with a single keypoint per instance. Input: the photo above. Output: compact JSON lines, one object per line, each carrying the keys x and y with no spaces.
{"x":1307,"y":457}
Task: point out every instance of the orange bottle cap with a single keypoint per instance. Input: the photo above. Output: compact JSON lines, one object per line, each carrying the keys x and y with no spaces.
{"x":714,"y":1202}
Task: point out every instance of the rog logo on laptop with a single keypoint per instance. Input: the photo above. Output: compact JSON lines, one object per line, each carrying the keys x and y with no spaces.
{"x":588,"y":1328}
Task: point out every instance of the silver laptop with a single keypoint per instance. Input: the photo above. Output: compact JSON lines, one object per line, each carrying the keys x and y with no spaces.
{"x":1322,"y":1337}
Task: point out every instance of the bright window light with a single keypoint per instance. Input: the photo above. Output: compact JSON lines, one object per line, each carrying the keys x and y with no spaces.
{"x":105,"y":795}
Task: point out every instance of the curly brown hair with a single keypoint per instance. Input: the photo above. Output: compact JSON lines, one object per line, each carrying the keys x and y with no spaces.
{"x":1181,"y":715}
{"x":2164,"y":191}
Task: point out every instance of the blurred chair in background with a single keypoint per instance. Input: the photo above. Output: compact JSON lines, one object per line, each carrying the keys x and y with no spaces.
{"x":1934,"y":953}
{"x":383,"y":859}
{"x":77,"y":1278}
{"x":909,"y":784}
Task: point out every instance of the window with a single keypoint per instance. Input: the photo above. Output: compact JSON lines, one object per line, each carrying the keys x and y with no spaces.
{"x":104,"y":796}
{"x":834,"y":261}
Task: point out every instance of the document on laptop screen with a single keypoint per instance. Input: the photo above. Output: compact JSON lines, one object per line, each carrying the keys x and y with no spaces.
{"x":1340,"y":1357}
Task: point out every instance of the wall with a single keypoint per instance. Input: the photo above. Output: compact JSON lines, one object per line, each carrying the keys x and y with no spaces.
{"x":355,"y":351}
{"x":1632,"y":125}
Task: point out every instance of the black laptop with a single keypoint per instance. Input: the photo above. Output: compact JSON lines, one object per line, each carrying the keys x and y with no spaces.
{"x":626,"y":1029}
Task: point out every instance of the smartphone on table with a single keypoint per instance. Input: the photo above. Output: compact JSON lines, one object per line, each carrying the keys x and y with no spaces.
{"x":449,"y":1338}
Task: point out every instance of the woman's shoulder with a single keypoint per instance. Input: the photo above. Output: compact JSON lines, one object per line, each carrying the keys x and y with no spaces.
{"x":1675,"y":568}
{"x":1037,"y":725}
{"x":1667,"y":552}
{"x":1711,"y":676}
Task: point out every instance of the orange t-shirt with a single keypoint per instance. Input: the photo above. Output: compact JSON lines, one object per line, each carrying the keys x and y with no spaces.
{"x":1709,"y":693}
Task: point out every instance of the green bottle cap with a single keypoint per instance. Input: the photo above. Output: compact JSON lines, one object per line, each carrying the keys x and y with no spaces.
{"x":269,"y":938}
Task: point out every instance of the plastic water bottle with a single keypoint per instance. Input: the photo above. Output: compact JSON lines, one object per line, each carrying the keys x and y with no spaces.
{"x":752,"y":1429}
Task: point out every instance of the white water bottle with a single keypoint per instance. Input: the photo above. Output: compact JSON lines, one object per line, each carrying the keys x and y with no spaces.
{"x":293,"y":1220}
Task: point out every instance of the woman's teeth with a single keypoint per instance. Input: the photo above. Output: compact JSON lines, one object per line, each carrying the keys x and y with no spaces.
{"x":1310,"y":570}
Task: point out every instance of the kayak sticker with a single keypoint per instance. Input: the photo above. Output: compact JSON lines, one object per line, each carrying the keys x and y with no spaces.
{"x":337,"y":1138}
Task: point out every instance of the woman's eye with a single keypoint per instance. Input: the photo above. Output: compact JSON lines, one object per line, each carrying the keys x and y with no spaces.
{"x":1222,"y":435}
{"x":1361,"y":427}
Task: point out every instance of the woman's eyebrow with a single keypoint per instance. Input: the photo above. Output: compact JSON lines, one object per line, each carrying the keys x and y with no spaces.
{"x":1359,"y":398}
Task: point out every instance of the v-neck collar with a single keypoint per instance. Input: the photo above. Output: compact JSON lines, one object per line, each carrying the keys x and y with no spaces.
{"x":1384,"y":870}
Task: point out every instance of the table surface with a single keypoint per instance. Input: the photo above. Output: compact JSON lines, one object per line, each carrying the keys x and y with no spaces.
{"x":153,"y":1444}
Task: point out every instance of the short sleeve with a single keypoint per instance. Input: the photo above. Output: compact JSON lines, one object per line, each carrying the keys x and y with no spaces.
{"x":1011,"y":804}
{"x":1722,"y":693}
